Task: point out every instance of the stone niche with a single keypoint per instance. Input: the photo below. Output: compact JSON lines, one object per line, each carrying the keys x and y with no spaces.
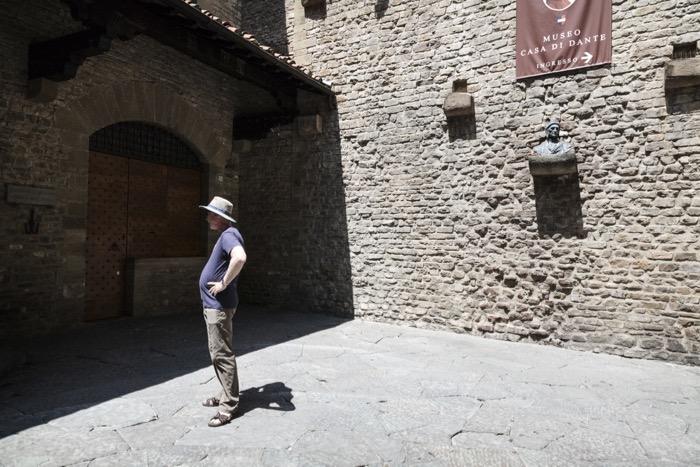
{"x":558,"y":206}
{"x":314,"y":9}
{"x":682,"y":79}
{"x":554,"y":173}
{"x":312,"y":3}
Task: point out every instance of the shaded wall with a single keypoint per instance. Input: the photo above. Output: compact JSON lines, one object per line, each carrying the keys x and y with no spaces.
{"x":268,"y":22}
{"x":229,"y":10}
{"x":293,"y":219}
{"x":45,"y":145}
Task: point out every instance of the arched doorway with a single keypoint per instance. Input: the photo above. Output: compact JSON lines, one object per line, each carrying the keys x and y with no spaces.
{"x":144,"y":187}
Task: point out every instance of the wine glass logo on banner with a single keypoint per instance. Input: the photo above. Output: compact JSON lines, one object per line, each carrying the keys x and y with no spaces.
{"x":558,"y":5}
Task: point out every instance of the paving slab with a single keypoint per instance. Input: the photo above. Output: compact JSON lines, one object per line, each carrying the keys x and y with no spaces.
{"x":318,"y":390}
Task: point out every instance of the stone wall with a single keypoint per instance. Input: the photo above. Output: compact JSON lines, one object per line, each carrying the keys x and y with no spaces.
{"x":229,"y":10}
{"x":163,"y":286}
{"x":42,"y":276}
{"x":293,"y":219}
{"x":268,"y":22}
{"x":444,"y":232}
{"x":266,"y":220}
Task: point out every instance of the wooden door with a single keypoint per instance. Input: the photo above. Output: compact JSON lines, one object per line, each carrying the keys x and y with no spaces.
{"x":148,"y":210}
{"x":105,"y":266}
{"x":136,"y":209}
{"x":184,"y":215}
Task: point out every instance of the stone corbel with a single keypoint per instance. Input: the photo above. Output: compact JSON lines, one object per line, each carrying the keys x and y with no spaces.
{"x":683,"y":72}
{"x":41,"y":90}
{"x":240,"y":146}
{"x":556,"y":164}
{"x":309,"y":125}
{"x":458,"y":103}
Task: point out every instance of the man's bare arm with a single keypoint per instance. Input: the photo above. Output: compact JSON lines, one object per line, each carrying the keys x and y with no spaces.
{"x":238,"y":259}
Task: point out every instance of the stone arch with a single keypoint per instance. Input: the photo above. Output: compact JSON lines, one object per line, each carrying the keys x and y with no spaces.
{"x":146,"y":102}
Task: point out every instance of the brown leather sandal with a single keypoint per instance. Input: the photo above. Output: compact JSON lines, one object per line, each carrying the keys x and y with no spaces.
{"x":220,"y":419}
{"x":211,"y":402}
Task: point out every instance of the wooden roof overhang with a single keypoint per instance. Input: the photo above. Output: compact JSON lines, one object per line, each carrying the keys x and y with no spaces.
{"x":182,"y":26}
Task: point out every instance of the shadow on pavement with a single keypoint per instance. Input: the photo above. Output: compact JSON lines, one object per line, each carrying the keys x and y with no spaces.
{"x":272,"y":396}
{"x":109,"y":359}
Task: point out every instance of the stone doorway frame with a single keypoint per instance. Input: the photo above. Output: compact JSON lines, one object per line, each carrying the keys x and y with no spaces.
{"x":147,"y":102}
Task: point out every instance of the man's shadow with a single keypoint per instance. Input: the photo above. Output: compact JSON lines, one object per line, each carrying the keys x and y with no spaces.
{"x":272,"y":396}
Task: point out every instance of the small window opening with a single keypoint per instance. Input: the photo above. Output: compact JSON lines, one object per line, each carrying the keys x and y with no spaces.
{"x":688,"y":50}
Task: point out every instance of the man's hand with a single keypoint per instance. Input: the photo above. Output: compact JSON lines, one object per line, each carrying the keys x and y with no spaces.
{"x":215,"y":287}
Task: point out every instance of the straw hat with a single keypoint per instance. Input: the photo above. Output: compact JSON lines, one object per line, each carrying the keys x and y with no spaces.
{"x":221,"y":207}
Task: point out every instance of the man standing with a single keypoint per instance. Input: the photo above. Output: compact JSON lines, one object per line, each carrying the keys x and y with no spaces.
{"x":217,"y":286}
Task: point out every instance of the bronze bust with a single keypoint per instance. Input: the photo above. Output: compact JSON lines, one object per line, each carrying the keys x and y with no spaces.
{"x":552,"y":145}
{"x":553,"y":157}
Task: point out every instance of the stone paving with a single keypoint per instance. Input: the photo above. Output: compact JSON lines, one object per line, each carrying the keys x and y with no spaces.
{"x":318,"y":390}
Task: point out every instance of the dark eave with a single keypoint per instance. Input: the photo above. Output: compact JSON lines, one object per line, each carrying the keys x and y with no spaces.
{"x":177,"y":24}
{"x":246,"y":43}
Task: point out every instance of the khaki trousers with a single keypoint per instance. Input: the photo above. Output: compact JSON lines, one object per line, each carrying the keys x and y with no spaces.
{"x":220,"y":336}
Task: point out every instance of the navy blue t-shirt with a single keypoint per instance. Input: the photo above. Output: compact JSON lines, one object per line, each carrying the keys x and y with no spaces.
{"x":215,"y":270}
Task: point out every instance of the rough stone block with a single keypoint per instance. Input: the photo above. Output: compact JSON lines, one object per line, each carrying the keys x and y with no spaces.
{"x":683,"y":72}
{"x":309,"y":125}
{"x":42,"y":90}
{"x":458,"y":104}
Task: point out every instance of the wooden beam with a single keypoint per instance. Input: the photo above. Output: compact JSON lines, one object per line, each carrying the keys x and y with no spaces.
{"x":59,"y":59}
{"x":189,"y":32}
{"x":226,"y":58}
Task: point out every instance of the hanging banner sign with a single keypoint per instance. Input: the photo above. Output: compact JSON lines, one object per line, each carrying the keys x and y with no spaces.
{"x":559,"y":35}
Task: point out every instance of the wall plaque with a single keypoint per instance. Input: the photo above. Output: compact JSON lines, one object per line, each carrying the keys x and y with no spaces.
{"x":560,"y":35}
{"x":20,"y":194}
